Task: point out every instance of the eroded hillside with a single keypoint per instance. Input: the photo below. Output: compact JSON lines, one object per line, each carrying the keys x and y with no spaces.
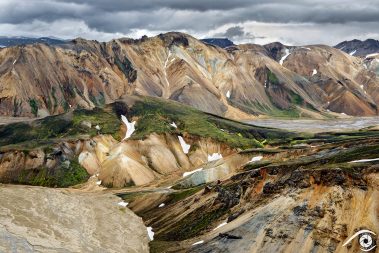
{"x":239,"y":82}
{"x":200,"y":182}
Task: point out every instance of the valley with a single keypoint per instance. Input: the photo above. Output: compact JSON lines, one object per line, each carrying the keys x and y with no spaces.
{"x":200,"y":182}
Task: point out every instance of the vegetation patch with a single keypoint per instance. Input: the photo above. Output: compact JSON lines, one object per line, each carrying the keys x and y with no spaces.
{"x":34,"y":106}
{"x":65,"y":174}
{"x":155,"y":115}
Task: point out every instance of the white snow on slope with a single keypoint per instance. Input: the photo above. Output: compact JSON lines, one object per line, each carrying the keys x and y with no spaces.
{"x":173,"y":125}
{"x":98,"y":182}
{"x":123,"y":203}
{"x":314,"y":72}
{"x":14,"y":62}
{"x":362,"y":87}
{"x":256,"y":158}
{"x":219,"y":226}
{"x":165,"y":68}
{"x":287,"y":53}
{"x":150,"y":233}
{"x":161,"y":205}
{"x":129,"y":125}
{"x":185,"y":174}
{"x":184,"y":145}
{"x":371,"y":55}
{"x":228,"y":94}
{"x":365,"y":160}
{"x":199,"y":242}
{"x":214,"y":157}
{"x":307,"y":48}
{"x":352,"y":53}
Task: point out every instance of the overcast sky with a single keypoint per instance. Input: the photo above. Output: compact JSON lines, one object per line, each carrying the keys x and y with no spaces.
{"x":294,"y":22}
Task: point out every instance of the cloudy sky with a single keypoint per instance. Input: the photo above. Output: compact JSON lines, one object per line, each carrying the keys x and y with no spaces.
{"x":294,"y":22}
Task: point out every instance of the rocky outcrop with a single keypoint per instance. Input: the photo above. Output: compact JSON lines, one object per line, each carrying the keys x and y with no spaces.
{"x":34,"y":219}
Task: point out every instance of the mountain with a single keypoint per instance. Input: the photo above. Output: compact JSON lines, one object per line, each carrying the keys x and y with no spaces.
{"x":220,"y":42}
{"x":240,"y":82}
{"x":359,"y":48}
{"x":16,"y":41}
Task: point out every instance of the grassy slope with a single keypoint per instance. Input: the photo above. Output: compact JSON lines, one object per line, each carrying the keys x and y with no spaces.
{"x":153,"y":116}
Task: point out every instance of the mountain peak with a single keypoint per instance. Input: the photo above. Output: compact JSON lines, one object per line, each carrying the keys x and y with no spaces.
{"x":359,"y":48}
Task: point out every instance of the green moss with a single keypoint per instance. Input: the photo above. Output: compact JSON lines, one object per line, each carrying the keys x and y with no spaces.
{"x":155,"y":115}
{"x":182,"y":194}
{"x":34,"y":106}
{"x":297,"y":99}
{"x":272,"y":78}
{"x":66,"y":174}
{"x":193,"y":224}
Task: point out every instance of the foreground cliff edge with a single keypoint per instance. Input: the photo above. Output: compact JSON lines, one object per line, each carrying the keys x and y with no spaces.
{"x":200,"y":182}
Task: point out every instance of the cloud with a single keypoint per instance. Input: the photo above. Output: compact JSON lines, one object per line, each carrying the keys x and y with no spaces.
{"x":235,"y":31}
{"x":242,"y":20}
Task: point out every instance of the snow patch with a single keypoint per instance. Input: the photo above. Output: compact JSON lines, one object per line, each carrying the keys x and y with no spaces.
{"x":97,"y":127}
{"x":365,"y":160}
{"x":256,"y":158}
{"x":353,"y":52}
{"x":371,"y":55}
{"x":184,"y":145}
{"x":161,"y":205}
{"x":307,"y":48}
{"x":185,"y":174}
{"x":197,"y":243}
{"x":228,"y":94}
{"x":214,"y":157}
{"x":362,"y":86}
{"x":150,"y":233}
{"x":314,"y":72}
{"x":221,"y":225}
{"x":165,"y":67}
{"x":14,"y":62}
{"x":129,"y":125}
{"x":123,"y":203}
{"x":287,"y":53}
{"x":98,"y":182}
{"x":173,"y":125}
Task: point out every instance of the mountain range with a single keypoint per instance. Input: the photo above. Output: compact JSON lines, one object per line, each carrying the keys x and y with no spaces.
{"x":241,"y":81}
{"x":360,"y":48}
{"x":133,"y":146}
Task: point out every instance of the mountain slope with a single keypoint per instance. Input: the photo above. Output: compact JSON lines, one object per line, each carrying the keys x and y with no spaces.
{"x":359,"y":48}
{"x":241,"y":82}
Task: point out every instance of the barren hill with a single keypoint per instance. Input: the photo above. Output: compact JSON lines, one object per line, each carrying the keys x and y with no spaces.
{"x":238,"y":82}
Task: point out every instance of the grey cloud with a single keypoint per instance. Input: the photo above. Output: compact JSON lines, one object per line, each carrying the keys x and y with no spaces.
{"x":235,"y":31}
{"x":196,"y":16}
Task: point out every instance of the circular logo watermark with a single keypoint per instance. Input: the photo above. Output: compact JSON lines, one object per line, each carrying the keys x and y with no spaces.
{"x":366,"y":240}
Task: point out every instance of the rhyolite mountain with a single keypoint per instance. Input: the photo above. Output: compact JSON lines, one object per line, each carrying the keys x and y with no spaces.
{"x":220,"y":42}
{"x":359,"y":47}
{"x":240,"y":82}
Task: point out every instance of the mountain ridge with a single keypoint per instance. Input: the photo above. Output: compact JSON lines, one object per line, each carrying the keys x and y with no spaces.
{"x":240,"y":82}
